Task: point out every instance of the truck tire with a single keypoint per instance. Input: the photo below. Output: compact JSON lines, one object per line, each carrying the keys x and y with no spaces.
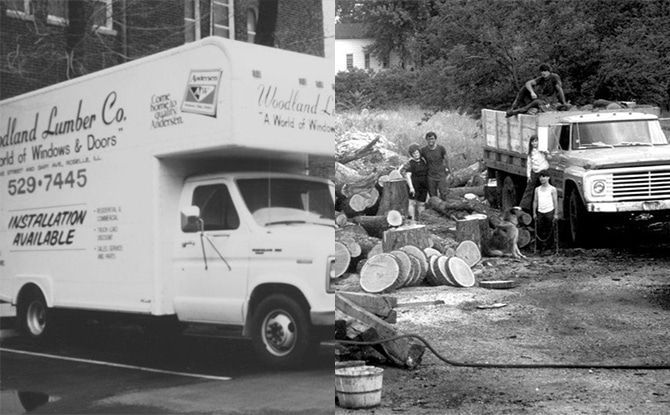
{"x":508,"y":194}
{"x":281,"y":331}
{"x":34,"y":317}
{"x":579,"y":229}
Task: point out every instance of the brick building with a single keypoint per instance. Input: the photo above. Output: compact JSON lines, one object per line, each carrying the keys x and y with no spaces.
{"x":43,"y":42}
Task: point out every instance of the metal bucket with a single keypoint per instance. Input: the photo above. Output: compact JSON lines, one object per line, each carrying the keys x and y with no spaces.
{"x":358,"y":387}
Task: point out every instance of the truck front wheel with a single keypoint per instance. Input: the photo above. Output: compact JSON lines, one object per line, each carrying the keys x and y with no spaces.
{"x":33,"y":314}
{"x":577,"y":223}
{"x":281,"y":331}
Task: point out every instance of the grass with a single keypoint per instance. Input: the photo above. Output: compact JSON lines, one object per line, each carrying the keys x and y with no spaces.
{"x":458,"y":133}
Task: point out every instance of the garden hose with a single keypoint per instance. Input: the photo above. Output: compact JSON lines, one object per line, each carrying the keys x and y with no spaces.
{"x":506,"y":365}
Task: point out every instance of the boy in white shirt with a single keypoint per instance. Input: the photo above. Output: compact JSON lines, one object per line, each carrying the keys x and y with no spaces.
{"x":545,"y":202}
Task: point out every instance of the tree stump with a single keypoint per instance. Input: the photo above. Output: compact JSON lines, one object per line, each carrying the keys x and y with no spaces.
{"x":473,"y":228}
{"x":395,"y":196}
{"x":416,"y":235}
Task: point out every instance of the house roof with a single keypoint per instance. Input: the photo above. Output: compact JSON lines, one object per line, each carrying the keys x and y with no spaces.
{"x":351,"y":31}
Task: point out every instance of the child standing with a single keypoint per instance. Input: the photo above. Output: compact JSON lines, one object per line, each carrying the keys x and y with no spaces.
{"x":536,"y":162}
{"x":416,"y":174}
{"x":544,"y":211}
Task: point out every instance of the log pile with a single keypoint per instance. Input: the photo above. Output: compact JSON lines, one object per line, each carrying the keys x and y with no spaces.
{"x":369,"y":318}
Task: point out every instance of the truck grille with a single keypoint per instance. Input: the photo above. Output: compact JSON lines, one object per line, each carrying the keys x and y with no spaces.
{"x":642,"y":185}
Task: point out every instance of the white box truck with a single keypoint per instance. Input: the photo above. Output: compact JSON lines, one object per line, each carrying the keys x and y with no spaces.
{"x":175,"y":187}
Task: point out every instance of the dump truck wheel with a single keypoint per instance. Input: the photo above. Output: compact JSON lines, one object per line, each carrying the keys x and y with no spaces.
{"x":578,"y":226}
{"x":34,"y":317}
{"x":281,"y":331}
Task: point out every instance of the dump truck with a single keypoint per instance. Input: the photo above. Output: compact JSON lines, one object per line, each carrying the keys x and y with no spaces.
{"x":175,"y":188}
{"x":608,"y":166}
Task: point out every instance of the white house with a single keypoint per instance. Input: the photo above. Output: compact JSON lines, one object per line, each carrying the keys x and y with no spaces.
{"x":351,"y":40}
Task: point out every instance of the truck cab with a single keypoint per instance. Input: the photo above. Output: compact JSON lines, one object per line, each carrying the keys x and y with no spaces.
{"x":608,"y":163}
{"x":244,"y":239}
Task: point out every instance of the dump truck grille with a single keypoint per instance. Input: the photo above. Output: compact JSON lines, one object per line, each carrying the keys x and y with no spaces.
{"x":642,"y":185}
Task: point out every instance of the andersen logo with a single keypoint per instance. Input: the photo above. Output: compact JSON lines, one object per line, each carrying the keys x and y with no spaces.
{"x":202,"y":91}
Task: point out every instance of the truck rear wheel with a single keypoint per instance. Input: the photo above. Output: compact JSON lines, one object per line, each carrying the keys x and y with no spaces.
{"x":281,"y":331}
{"x":34,"y":315}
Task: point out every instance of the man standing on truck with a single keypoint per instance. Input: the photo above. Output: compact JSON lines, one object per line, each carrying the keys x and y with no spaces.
{"x":539,"y":93}
{"x":438,"y":165}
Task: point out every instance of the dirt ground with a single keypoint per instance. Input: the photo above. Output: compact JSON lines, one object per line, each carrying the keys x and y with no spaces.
{"x":606,"y":306}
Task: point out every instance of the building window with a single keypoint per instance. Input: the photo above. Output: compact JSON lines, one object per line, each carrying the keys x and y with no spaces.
{"x":102,"y":17}
{"x":57,"y":11}
{"x":192,"y":20}
{"x":367,"y":61}
{"x":223,"y":19}
{"x":350,"y":61}
{"x":252,"y":19}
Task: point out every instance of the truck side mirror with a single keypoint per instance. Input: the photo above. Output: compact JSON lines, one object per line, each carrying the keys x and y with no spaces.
{"x":190,"y":219}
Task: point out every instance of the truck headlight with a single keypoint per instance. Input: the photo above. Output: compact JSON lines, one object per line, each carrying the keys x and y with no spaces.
{"x":598,"y":187}
{"x":330,"y":277}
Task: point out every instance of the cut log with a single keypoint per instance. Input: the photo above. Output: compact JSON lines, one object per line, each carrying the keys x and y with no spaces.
{"x":524,"y":218}
{"x":460,"y":273}
{"x":462,"y":191}
{"x":416,"y":276}
{"x":394,"y":218}
{"x":365,"y":242}
{"x":524,"y":238}
{"x":359,"y":202}
{"x":431,"y":277}
{"x":358,"y":153}
{"x":469,"y":252}
{"x":421,"y":258}
{"x":378,"y":304}
{"x":416,"y":235}
{"x":395,"y":196}
{"x":442,"y":244}
{"x":441,"y":273}
{"x":342,"y":259}
{"x":379,"y":273}
{"x":449,"y":206}
{"x":405,"y":269}
{"x":401,"y":352}
{"x":431,"y":251}
{"x":373,"y":225}
{"x":461,"y":177}
{"x":376,"y":250}
{"x":340,"y":219}
{"x":352,"y":246}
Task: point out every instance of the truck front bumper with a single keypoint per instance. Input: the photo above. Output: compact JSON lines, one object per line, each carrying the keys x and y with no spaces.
{"x":636,"y":206}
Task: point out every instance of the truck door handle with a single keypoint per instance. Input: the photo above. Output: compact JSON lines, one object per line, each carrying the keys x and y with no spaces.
{"x":187,"y":243}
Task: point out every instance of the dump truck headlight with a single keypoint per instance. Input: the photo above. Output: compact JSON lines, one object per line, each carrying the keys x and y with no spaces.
{"x":598,"y":187}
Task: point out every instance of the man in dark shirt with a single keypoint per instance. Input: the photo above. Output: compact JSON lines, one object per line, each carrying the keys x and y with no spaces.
{"x":438,"y":165}
{"x":541,"y":92}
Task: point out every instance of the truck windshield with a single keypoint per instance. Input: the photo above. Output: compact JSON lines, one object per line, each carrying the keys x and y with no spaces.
{"x":619,"y":134}
{"x":287,"y":200}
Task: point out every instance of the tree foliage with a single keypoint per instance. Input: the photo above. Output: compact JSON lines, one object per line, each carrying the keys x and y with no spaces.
{"x":478,"y":53}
